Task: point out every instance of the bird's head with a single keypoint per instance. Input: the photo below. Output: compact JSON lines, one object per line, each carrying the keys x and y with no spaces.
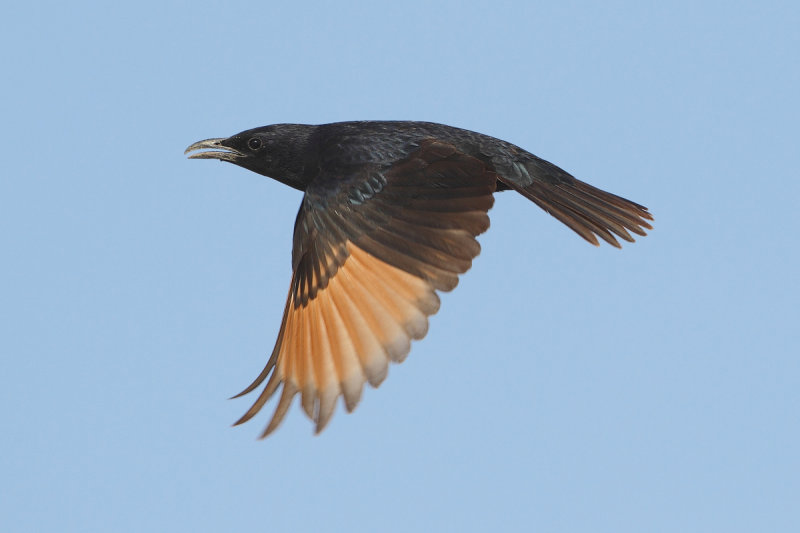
{"x":275,"y":151}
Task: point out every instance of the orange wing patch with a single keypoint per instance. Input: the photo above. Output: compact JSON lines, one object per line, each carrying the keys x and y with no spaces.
{"x":345,"y":336}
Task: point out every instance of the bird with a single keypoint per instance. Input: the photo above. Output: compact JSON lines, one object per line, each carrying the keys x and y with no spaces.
{"x":389,"y":218}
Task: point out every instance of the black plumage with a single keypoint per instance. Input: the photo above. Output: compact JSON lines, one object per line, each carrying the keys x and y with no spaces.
{"x":389,"y":216}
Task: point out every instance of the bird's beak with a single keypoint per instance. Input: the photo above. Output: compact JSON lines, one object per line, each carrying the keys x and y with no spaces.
{"x":217,"y":151}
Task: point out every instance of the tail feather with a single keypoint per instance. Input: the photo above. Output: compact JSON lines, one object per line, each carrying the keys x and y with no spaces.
{"x":588,"y":211}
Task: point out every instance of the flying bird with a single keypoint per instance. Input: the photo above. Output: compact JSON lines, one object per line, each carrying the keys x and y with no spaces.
{"x":390,"y":215}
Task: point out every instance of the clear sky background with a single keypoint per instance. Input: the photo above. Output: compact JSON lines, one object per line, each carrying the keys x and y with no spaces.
{"x":562,"y":387}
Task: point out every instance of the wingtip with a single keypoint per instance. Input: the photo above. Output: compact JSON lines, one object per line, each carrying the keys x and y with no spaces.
{"x":272,"y":426}
{"x":239,"y":395}
{"x":320,"y":426}
{"x":244,"y":418}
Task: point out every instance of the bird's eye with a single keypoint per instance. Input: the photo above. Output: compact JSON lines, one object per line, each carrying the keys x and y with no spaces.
{"x":254,"y":143}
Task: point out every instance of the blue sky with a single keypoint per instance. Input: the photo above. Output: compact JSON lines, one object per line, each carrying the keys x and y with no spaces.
{"x":562,"y":387}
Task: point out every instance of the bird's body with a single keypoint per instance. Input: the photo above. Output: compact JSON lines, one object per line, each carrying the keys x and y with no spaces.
{"x":389,"y":216}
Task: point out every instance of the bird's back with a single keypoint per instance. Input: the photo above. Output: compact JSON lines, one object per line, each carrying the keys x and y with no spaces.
{"x":384,"y":143}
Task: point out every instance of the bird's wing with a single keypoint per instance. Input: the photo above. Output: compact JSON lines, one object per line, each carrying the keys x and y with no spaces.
{"x":371,"y":247}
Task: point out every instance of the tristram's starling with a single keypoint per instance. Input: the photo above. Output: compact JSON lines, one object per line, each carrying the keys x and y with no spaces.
{"x":389,"y":216}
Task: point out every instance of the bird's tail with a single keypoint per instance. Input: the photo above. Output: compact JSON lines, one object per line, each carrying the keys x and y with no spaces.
{"x":588,"y":211}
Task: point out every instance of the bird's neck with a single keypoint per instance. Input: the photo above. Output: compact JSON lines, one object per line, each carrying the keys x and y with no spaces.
{"x":290,"y":155}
